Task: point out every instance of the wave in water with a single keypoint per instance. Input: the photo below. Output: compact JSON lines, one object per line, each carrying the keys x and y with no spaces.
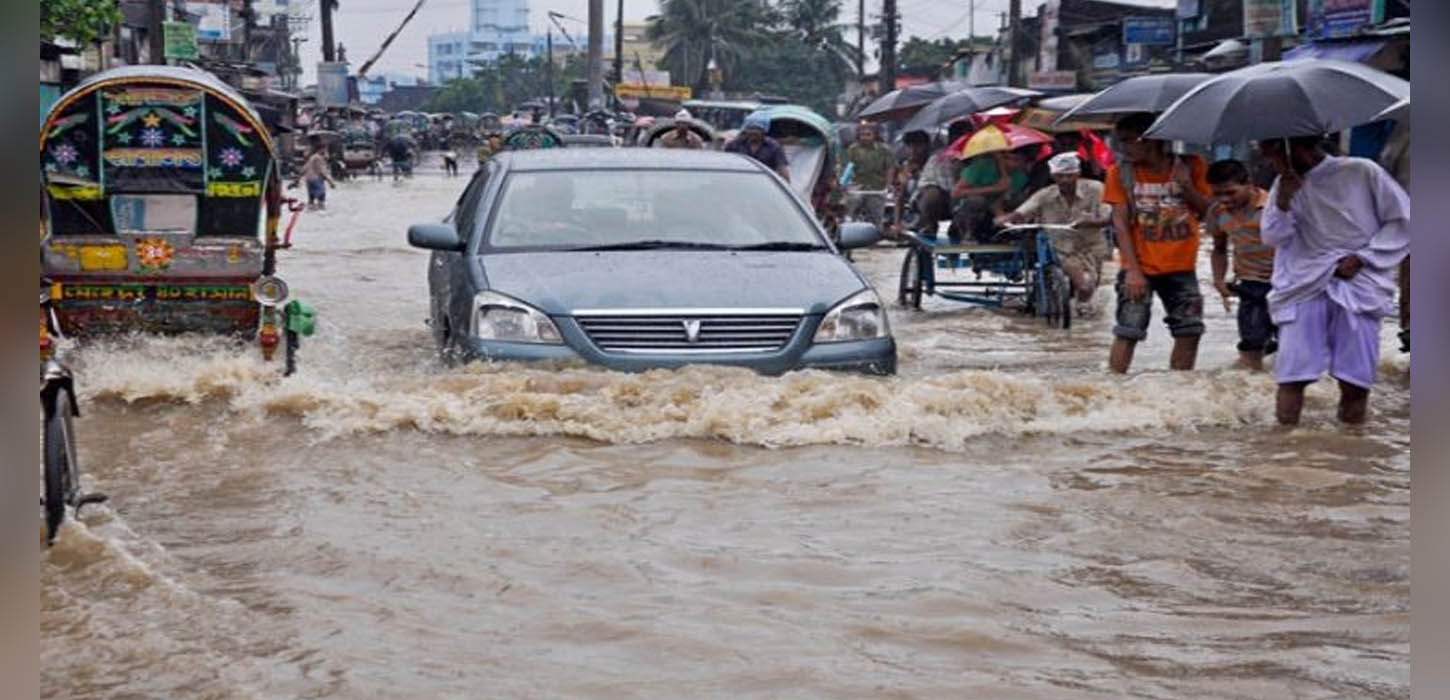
{"x":802,"y":408}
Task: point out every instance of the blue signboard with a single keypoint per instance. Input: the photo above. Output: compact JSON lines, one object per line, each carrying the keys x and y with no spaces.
{"x":1329,"y":19}
{"x":1151,"y":31}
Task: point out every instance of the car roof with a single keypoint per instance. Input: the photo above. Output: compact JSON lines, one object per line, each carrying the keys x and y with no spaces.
{"x":624,"y":159}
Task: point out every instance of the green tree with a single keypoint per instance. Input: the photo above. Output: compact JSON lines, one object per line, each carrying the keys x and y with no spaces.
{"x":693,"y":31}
{"x":83,"y":21}
{"x":816,"y":23}
{"x":785,"y":65}
{"x":920,"y":53}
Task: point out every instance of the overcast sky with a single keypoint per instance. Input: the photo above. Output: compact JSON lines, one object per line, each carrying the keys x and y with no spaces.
{"x":361,"y":25}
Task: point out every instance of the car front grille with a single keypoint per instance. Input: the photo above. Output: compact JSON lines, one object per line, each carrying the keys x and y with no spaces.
{"x":687,"y":331}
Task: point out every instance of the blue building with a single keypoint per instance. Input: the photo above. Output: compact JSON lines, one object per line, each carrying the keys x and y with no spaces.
{"x":371,"y":88}
{"x":447,"y":57}
{"x":495,"y":27}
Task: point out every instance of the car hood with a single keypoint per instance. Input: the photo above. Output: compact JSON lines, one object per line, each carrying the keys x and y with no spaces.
{"x":558,"y":283}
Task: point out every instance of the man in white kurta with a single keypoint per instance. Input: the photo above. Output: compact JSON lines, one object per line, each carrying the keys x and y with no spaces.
{"x":1339,"y":228}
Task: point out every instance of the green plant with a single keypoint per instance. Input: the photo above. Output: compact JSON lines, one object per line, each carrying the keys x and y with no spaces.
{"x":82,"y":21}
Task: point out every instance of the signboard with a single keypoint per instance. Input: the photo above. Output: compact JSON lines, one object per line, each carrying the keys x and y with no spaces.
{"x":1047,"y":55}
{"x":180,"y":40}
{"x":659,"y":92}
{"x":331,"y":84}
{"x":1268,"y":18}
{"x":1053,"y":80}
{"x":1187,"y":9}
{"x":213,"y":20}
{"x":1329,"y":19}
{"x":649,"y":77}
{"x":1150,"y":31}
{"x":1106,"y":56}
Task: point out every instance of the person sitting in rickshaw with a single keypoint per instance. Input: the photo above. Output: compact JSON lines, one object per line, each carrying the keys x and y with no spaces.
{"x":1077,"y":202}
{"x":492,"y":144}
{"x":991,"y":184}
{"x":874,"y":169}
{"x":682,"y":136}
{"x":753,"y":142}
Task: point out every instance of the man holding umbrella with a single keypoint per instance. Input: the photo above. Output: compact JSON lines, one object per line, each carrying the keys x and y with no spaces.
{"x":1339,"y":227}
{"x":1157,"y":202}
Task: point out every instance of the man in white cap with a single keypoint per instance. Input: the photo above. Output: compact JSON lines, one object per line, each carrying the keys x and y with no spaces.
{"x":1078,"y":203}
{"x":682,"y":136}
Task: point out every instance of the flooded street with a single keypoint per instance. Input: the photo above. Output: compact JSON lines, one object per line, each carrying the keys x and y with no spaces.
{"x":1002,"y":519}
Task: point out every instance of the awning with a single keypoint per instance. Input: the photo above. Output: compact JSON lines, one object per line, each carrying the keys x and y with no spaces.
{"x":1353,"y":51}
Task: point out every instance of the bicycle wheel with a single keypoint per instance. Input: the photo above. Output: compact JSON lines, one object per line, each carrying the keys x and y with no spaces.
{"x":1057,"y":307}
{"x":908,"y":292}
{"x":62,"y":471}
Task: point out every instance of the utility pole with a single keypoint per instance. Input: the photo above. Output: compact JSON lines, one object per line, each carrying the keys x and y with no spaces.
{"x":1014,"y":27}
{"x":156,"y":31}
{"x":860,"y":38}
{"x":327,"y":51}
{"x":549,"y":68}
{"x":596,"y":54}
{"x":888,"y":46}
{"x":619,"y":43}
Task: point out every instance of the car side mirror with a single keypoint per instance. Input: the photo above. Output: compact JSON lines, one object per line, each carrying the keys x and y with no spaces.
{"x":858,"y":234}
{"x":434,"y":237}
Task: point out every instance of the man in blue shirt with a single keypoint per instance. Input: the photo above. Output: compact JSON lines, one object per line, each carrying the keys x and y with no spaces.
{"x":753,"y":142}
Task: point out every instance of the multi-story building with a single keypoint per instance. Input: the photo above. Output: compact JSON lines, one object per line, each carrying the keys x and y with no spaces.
{"x":447,"y":57}
{"x":499,"y":27}
{"x":495,"y":28}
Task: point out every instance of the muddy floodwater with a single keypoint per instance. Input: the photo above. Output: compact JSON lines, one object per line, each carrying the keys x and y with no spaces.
{"x":1000,"y":520}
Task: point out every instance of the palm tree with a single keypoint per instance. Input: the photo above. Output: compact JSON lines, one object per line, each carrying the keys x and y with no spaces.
{"x":816,"y":23}
{"x":694,"y":31}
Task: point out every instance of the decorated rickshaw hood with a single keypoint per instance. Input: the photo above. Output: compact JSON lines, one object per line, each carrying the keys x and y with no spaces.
{"x":161,"y":74}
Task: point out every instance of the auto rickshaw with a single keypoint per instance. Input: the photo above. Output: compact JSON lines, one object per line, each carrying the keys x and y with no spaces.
{"x":161,"y":207}
{"x":807,"y":140}
{"x":662,"y":126}
{"x":359,"y":152}
{"x":532,"y":136}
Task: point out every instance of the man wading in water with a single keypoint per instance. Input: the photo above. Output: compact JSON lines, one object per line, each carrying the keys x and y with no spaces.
{"x":1157,"y":201}
{"x":1339,"y":228}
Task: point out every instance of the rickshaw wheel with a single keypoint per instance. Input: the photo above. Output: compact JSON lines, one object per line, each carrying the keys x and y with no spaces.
{"x":1057,"y":307}
{"x":908,"y":292}
{"x":62,"y":471}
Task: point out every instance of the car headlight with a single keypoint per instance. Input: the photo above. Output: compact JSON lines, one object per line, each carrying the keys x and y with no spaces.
{"x":497,"y":317}
{"x":861,"y":317}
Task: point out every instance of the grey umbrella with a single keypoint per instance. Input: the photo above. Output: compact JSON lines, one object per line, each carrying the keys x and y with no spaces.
{"x":962,"y":103}
{"x":1280,"y":100}
{"x":1143,"y":93}
{"x":1399,"y":111}
{"x":903,"y":101}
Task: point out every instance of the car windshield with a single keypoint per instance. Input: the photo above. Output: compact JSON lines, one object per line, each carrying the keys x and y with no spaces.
{"x":583,"y":209}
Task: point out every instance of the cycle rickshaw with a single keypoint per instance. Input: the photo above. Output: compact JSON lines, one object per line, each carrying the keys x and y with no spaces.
{"x":1024,"y":269}
{"x":161,"y":200}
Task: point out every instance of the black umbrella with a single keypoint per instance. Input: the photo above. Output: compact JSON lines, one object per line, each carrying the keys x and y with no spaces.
{"x":903,"y":101}
{"x":1280,"y":100}
{"x":962,"y":103}
{"x":1143,"y":93}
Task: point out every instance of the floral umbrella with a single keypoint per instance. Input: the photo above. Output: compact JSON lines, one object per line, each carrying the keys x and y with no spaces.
{"x":997,"y":137}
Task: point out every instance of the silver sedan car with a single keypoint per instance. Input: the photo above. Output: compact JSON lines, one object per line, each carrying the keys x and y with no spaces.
{"x":642,"y":258}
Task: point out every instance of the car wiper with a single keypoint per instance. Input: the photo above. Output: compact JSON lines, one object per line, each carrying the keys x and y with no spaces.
{"x":780,"y":245}
{"x":653,"y":244}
